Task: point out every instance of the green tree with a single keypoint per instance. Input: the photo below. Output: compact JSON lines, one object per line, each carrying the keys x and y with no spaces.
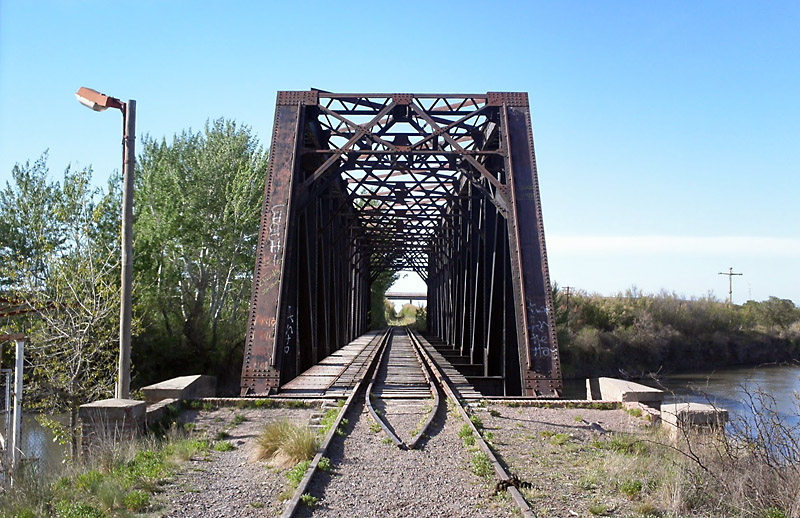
{"x":773,"y":313}
{"x":61,"y":256}
{"x":198,"y":201}
{"x":378,"y":308}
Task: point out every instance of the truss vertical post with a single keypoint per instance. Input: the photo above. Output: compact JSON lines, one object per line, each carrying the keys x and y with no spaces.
{"x":540,"y":365}
{"x":267,"y":334}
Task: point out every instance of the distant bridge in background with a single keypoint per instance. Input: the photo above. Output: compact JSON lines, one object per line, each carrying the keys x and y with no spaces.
{"x":406,"y":295}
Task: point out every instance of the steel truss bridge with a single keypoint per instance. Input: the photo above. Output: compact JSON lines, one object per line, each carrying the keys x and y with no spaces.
{"x":441,"y":184}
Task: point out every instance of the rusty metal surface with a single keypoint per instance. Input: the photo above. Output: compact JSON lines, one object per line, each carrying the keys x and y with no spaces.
{"x":444,"y":185}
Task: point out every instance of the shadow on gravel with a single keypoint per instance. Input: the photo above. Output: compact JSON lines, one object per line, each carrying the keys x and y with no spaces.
{"x":437,"y":425}
{"x":336,"y":455}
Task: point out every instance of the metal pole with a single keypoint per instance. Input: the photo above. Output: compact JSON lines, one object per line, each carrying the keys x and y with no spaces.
{"x":128,"y":163}
{"x":17,"y":419}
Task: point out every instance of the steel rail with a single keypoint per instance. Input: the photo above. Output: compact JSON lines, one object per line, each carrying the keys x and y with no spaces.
{"x":302,"y":487}
{"x":383,"y":423}
{"x":500,"y":471}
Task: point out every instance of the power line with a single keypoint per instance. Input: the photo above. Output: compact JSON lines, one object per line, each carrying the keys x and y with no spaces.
{"x":730,"y":275}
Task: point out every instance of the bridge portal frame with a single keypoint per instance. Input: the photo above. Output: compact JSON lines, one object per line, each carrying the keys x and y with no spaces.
{"x":446,"y":185}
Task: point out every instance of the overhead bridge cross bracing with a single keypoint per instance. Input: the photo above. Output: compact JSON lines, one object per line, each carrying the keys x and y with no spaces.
{"x":441,"y":184}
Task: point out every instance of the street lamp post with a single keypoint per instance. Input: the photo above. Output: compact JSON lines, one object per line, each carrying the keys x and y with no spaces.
{"x":99,"y":102}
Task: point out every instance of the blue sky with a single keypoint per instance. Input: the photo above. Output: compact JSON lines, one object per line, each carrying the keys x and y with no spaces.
{"x":667,"y":134}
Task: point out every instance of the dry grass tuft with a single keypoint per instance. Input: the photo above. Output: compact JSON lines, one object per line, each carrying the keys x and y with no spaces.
{"x":284,"y":444}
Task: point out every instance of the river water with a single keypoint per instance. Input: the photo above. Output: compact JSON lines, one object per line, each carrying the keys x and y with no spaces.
{"x":728,"y":388}
{"x":743,"y":391}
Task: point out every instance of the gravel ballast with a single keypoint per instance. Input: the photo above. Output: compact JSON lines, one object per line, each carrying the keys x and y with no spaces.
{"x":372,"y":478}
{"x":229,"y":483}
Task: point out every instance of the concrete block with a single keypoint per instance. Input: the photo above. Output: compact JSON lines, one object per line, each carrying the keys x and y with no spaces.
{"x":157,"y":411}
{"x":593,"y":389}
{"x":110,"y":420}
{"x":626,"y":391}
{"x":680,"y":416}
{"x":183,"y":387}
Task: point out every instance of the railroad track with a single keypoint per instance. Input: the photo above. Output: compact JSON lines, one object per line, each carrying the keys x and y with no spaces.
{"x":405,"y":384}
{"x":402,"y":387}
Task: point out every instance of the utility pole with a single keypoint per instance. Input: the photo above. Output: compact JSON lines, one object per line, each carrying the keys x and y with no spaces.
{"x":730,"y":275}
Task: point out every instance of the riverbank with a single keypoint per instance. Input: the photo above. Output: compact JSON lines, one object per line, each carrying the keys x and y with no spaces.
{"x":568,"y":462}
{"x":634,"y":334}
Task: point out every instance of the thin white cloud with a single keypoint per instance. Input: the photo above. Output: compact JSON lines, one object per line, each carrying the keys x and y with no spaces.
{"x":678,"y":245}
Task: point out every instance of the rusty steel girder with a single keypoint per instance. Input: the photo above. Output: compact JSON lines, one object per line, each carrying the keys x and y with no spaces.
{"x":444,"y":185}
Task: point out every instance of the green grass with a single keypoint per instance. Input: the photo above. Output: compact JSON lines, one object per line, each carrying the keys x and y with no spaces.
{"x":136,"y":500}
{"x":635,"y":412}
{"x":623,"y":443}
{"x":630,"y":488}
{"x":224,"y":446}
{"x":466,"y":435}
{"x":222,"y":434}
{"x":324,"y":464}
{"x":481,"y":465}
{"x":387,"y":440}
{"x":328,"y":418}
{"x":556,"y":439}
{"x":119,"y":479}
{"x":296,"y":474}
{"x":374,"y":427}
{"x":238,"y":419}
{"x":309,"y":500}
{"x":599,"y":509}
{"x":476,"y":421}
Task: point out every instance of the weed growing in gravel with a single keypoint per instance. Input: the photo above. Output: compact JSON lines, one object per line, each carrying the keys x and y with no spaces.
{"x":285,"y":444}
{"x":328,"y":418}
{"x":635,"y":412}
{"x":556,"y":439}
{"x":630,"y":488}
{"x":309,"y":500}
{"x":296,"y":474}
{"x":648,"y":510}
{"x":494,"y":413}
{"x":257,"y":505}
{"x":482,"y":465}
{"x":466,"y":435}
{"x":222,"y":434}
{"x":387,"y":440}
{"x":324,"y":464}
{"x":238,"y":419}
{"x":136,"y":500}
{"x":600,"y":509}
{"x":374,"y":427}
{"x":622,"y":443}
{"x":224,"y":446}
{"x":477,"y":422}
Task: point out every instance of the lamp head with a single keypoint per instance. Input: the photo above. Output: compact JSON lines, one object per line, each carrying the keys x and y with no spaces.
{"x":96,"y":101}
